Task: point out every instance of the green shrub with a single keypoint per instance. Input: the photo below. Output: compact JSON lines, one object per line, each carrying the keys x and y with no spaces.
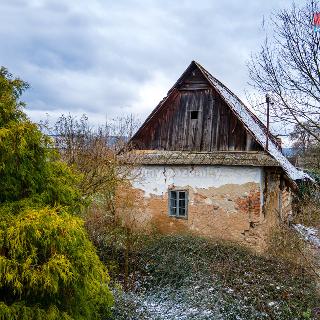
{"x":49,"y":269}
{"x":29,"y":165}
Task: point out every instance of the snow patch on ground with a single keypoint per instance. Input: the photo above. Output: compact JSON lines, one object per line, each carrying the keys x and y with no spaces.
{"x":186,"y":303}
{"x":309,"y":234}
{"x":167,"y":310}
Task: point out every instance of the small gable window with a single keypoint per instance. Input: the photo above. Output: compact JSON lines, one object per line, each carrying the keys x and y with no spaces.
{"x":194,"y":114}
{"x":178,"y":203}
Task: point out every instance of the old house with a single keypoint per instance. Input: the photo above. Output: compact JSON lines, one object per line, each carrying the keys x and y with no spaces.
{"x":204,"y":167}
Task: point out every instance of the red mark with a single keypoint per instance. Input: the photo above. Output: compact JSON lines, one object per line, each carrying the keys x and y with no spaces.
{"x":316,"y":19}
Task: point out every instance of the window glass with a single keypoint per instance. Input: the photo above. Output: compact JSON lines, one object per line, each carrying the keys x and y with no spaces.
{"x":178,"y":203}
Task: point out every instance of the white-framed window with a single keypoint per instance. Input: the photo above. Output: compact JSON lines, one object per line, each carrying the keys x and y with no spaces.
{"x":178,"y":203}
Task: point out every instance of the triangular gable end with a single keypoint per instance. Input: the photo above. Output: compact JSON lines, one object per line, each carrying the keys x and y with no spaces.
{"x":193,"y":117}
{"x":199,"y":79}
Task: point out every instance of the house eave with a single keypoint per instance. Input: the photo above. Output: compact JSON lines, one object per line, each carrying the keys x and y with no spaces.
{"x":227,"y":158}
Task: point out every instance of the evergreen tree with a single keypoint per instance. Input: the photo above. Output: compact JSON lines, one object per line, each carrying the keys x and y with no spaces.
{"x":48,"y":267}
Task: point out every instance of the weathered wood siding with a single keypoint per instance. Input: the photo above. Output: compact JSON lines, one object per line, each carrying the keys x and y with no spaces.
{"x":215,"y":128}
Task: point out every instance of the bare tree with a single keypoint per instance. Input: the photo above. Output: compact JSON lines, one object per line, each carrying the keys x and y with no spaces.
{"x":100,"y":155}
{"x":287,"y":67}
{"x":94,"y":151}
{"x":303,"y":141}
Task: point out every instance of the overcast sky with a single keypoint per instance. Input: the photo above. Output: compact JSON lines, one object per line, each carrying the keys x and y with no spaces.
{"x":110,"y":58}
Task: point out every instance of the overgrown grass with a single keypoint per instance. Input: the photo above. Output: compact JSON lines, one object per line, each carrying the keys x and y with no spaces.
{"x":307,"y":203}
{"x":185,"y":277}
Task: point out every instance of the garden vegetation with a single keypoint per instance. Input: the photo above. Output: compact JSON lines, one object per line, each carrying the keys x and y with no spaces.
{"x":48,"y":266}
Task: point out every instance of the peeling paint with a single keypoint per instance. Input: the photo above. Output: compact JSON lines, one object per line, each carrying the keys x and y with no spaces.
{"x":159,"y":178}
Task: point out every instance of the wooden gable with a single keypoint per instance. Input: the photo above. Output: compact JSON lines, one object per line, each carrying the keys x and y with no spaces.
{"x":194,"y":117}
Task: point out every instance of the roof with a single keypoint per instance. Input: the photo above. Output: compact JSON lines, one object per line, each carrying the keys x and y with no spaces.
{"x":234,"y":158}
{"x":249,"y":120}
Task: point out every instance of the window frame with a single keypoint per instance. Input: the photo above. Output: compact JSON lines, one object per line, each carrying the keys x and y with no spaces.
{"x":186,"y":199}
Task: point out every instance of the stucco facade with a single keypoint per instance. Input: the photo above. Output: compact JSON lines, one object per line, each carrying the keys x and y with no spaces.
{"x":223,"y":202}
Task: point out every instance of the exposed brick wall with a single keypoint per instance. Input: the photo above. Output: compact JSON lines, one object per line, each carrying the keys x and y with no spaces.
{"x":251,"y":204}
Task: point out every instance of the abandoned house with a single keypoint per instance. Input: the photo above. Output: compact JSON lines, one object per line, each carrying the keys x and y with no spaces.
{"x":206,"y":167}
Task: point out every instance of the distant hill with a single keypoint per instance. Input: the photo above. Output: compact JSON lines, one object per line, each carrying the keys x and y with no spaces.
{"x":290,"y":152}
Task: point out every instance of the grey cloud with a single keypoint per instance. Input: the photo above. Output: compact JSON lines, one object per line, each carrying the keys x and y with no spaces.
{"x":100,"y":57}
